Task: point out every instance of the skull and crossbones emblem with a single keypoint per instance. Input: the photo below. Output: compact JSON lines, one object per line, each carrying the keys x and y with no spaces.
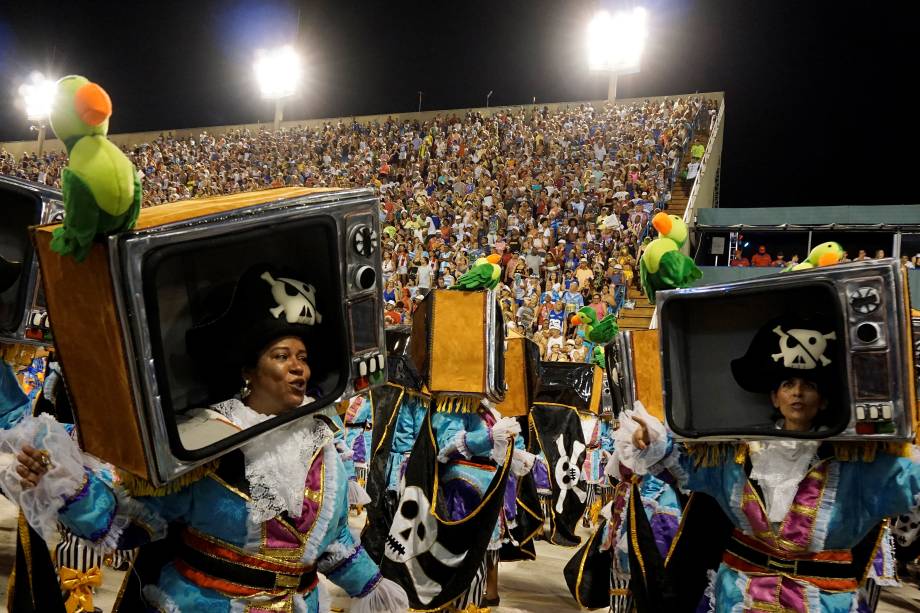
{"x":801,"y":348}
{"x":298,"y":307}
{"x":415,"y":531}
{"x":567,"y":472}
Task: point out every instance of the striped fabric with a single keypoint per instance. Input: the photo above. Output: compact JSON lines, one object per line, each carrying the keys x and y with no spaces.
{"x":74,"y":552}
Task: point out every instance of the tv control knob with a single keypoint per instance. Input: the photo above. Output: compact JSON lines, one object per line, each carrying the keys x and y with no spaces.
{"x":364,"y":241}
{"x":865,"y":300}
{"x":365,"y":277}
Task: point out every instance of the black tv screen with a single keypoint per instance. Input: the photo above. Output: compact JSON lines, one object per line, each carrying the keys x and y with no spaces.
{"x":17,"y":213}
{"x":702,"y":333}
{"x":188,"y":282}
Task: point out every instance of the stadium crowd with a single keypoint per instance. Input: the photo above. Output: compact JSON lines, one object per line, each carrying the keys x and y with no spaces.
{"x":564,"y":196}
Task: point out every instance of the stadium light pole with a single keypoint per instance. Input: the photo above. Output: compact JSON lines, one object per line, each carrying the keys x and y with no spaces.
{"x":489,"y":95}
{"x":616,"y":43}
{"x":37,"y":97}
{"x":420,"y":94}
{"x":278,"y":72}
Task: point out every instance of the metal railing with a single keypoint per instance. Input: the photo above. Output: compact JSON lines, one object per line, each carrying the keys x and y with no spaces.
{"x":694,"y":190}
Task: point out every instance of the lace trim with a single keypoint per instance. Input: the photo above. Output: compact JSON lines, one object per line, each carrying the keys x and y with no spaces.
{"x":328,"y":507}
{"x":277,"y":462}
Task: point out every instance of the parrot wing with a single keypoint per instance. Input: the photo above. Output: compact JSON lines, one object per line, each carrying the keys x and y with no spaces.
{"x":677,"y":270}
{"x":81,"y":218}
{"x":477,"y":277}
{"x":604,"y":331}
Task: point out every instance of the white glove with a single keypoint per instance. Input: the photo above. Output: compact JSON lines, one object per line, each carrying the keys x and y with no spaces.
{"x":505,"y":428}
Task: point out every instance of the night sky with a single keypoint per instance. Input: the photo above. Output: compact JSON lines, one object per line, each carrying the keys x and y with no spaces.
{"x":817,"y":93}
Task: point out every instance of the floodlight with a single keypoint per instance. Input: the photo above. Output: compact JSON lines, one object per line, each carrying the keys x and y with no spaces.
{"x":37,"y":96}
{"x":278,"y":72}
{"x":616,"y":42}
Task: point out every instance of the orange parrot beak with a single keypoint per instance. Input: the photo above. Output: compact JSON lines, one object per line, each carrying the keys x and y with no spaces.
{"x":663,"y":223}
{"x":576,"y":319}
{"x":92,"y":104}
{"x":494,"y":258}
{"x":829,"y":259}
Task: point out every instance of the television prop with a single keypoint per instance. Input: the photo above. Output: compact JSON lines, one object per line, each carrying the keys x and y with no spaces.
{"x":522,"y":359}
{"x":121,"y":316}
{"x":23,"y":317}
{"x":864,"y":303}
{"x":458,"y":344}
{"x":634,"y":371}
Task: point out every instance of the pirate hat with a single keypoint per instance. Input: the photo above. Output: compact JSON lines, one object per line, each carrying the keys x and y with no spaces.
{"x":791,"y":346}
{"x":9,"y":272}
{"x":265,"y":305}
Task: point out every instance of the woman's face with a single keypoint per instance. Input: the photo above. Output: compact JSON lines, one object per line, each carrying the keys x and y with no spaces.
{"x":279,"y":380}
{"x":799,"y":401}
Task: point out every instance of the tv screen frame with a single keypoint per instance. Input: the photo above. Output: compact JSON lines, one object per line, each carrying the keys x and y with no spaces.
{"x":841,"y":283}
{"x":341,"y":211}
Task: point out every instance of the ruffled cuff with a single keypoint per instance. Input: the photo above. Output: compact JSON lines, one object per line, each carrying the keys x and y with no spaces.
{"x":66,"y":477}
{"x":386,"y":597}
{"x":457,"y":448}
{"x":521,"y":462}
{"x":357,"y":495}
{"x":640,"y":461}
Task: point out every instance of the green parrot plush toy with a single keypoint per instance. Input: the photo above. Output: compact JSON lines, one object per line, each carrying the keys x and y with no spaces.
{"x":484,"y":273}
{"x":101,"y":187}
{"x":598,"y":332}
{"x":824,"y":254}
{"x":662,"y":265}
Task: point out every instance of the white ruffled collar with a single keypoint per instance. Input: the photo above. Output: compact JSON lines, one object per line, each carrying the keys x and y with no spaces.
{"x":779,"y":466}
{"x":277,"y":462}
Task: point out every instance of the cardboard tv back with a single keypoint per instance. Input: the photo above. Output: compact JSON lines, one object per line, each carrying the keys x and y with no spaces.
{"x":457,"y":344}
{"x":23,"y":318}
{"x":120,"y":316}
{"x":703,"y":329}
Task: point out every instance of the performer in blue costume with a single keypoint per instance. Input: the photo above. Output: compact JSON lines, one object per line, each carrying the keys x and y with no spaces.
{"x":409,"y":419}
{"x":252,"y":533}
{"x":662,"y":508}
{"x":796,"y":504}
{"x":358,"y":424}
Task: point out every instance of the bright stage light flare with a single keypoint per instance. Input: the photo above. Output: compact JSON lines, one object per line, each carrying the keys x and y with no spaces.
{"x":278,"y":72}
{"x":616,"y":42}
{"x":37,"y":96}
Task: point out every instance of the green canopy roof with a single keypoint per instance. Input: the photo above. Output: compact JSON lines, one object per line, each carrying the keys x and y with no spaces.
{"x":888,"y":217}
{"x":714,"y":275}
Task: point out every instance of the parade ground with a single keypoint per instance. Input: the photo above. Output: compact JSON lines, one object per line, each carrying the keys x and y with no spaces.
{"x":532,"y":587}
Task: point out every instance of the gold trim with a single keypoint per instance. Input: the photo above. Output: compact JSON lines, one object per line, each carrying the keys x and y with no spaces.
{"x":236,"y":549}
{"x":581,"y":568}
{"x":632,"y":528}
{"x":680,"y":529}
{"x":393,"y":415}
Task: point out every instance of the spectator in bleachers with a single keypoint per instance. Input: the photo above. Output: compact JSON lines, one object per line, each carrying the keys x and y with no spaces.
{"x":780,"y":261}
{"x":554,"y":192}
{"x":739,"y":259}
{"x":761,"y":259}
{"x":861,"y":256}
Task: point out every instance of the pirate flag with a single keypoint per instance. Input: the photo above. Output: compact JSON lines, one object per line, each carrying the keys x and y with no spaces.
{"x":522,"y":500}
{"x":401,"y":380}
{"x":433,"y":557}
{"x":560,"y":437}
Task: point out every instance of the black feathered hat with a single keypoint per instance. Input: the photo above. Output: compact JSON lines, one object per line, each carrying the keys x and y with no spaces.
{"x":788,"y":347}
{"x":266,"y":304}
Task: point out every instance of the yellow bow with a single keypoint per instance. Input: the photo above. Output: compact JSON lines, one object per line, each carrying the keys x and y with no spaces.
{"x":80,"y":588}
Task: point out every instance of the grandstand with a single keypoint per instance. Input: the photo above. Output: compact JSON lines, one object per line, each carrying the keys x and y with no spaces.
{"x":457,"y":183}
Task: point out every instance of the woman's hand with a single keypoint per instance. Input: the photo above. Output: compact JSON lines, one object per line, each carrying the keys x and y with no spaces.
{"x":33,"y":464}
{"x":640,"y":437}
